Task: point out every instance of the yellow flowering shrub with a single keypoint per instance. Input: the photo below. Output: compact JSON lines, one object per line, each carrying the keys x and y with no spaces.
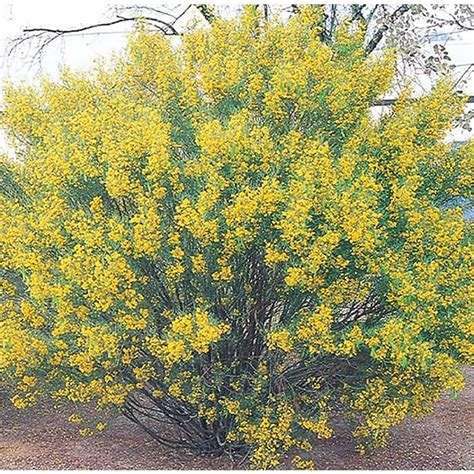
{"x":219,"y":235}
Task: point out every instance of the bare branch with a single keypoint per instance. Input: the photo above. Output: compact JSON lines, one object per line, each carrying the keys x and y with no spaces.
{"x":379,"y":34}
{"x":42,"y":37}
{"x":207,"y":12}
{"x":147,"y":8}
{"x":357,"y":13}
{"x":119,"y":19}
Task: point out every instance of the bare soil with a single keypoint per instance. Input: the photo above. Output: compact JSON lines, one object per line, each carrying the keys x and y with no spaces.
{"x":42,"y":438}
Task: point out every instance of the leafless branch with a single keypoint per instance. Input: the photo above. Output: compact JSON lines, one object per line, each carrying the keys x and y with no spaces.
{"x":379,"y":34}
{"x":207,"y":12}
{"x":42,"y":37}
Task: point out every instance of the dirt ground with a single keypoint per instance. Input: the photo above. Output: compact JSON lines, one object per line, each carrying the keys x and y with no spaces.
{"x":43,"y":439}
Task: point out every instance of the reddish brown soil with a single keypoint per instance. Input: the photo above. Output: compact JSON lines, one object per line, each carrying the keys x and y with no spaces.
{"x":42,"y":439}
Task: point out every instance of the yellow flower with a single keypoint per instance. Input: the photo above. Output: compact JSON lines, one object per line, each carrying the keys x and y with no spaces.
{"x":280,"y":340}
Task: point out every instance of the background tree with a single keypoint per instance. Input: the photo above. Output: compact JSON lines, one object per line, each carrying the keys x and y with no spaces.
{"x":407,"y":27}
{"x":404,"y":26}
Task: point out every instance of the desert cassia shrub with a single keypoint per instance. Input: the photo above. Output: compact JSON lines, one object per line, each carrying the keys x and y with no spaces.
{"x":219,"y":236}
